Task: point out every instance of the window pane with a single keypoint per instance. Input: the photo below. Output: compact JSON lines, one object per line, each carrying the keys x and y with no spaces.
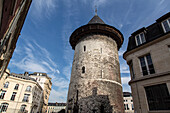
{"x":143,"y":66}
{"x":158,"y":97}
{"x":16,"y":86}
{"x":2,"y":94}
{"x":4,"y":107}
{"x":151,"y":69}
{"x":142,"y":37}
{"x":138,"y":40}
{"x":144,"y":70}
{"x":6,"y":85}
{"x":13,"y":96}
{"x":142,"y":61}
{"x":166,"y":26}
{"x":150,"y":65}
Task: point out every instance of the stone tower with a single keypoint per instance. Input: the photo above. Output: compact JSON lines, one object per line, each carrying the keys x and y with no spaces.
{"x":95,"y":84}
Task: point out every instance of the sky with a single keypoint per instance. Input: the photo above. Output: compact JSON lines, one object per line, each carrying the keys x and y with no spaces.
{"x":43,"y":45}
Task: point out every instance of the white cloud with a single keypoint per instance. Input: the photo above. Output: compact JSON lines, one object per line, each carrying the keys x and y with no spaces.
{"x":34,"y":58}
{"x":121,"y":52}
{"x":58,"y":95}
{"x":124,"y":68}
{"x":43,"y":8}
{"x":58,"y":71}
{"x":126,"y":87}
{"x":99,"y":2}
{"x":60,"y":82}
{"x":125,"y":80}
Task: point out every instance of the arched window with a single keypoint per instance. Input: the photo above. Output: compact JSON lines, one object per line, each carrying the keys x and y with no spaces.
{"x":84,"y":48}
{"x":16,"y":87}
{"x":28,"y":88}
{"x":22,"y":109}
{"x":6,"y":84}
{"x":83,"y":69}
{"x":4,"y":107}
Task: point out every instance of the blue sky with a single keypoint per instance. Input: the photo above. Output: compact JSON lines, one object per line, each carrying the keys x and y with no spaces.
{"x":43,"y":45}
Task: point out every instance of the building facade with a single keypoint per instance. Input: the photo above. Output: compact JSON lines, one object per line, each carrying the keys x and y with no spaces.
{"x":55,"y":107}
{"x":12,"y":16}
{"x":95,"y":84}
{"x":45,"y":82}
{"x":128,"y":102}
{"x":20,"y":94}
{"x":148,"y":57}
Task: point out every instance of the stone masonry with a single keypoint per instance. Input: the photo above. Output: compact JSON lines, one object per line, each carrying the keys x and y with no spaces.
{"x":95,"y":84}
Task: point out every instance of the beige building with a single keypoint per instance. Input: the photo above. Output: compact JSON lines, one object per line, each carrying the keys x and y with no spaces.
{"x":148,"y":56}
{"x":128,"y":102}
{"x":20,"y":94}
{"x":56,"y":107}
{"x":12,"y":17}
{"x":2,"y":79}
{"x":45,"y":82}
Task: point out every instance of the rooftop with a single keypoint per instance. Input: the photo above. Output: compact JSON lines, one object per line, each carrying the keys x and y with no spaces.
{"x":127,"y":94}
{"x":152,"y":32}
{"x":56,"y":104}
{"x":22,"y":76}
{"x":96,"y":20}
{"x":96,"y":26}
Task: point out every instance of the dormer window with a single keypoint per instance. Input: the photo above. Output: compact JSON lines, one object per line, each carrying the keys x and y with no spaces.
{"x":166,"y":25}
{"x":140,"y":39}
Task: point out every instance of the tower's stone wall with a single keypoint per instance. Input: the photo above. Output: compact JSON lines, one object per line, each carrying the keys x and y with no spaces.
{"x":98,"y":89}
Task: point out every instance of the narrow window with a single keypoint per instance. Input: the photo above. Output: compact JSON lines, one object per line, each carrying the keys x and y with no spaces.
{"x":158,"y":97}
{"x":131,"y":69}
{"x":132,"y":107}
{"x":22,"y":109}
{"x":169,"y":47}
{"x":28,"y":88}
{"x":147,"y":65}
{"x":13,"y":96}
{"x":26,"y":98}
{"x":6,"y":84}
{"x":101,"y":50}
{"x":16,"y":86}
{"x":84,"y":48}
{"x":2,"y":94}
{"x":4,"y":107}
{"x":166,"y":25}
{"x":83,"y":69}
{"x":127,"y":107}
{"x":140,"y":39}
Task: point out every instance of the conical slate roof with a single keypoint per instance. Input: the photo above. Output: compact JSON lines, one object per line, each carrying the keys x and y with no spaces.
{"x":96,"y":20}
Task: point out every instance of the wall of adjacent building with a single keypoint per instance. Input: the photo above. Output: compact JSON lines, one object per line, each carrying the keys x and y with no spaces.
{"x":35,"y":97}
{"x":160,"y":54}
{"x":13,"y":13}
{"x":45,"y":83}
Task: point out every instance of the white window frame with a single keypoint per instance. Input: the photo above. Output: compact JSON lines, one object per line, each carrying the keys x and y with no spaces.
{"x":2,"y":93}
{"x":6,"y":107}
{"x":16,"y":87}
{"x":163,"y":25}
{"x":13,"y":96}
{"x":26,"y":98}
{"x":6,"y":85}
{"x":28,"y":88}
{"x":140,"y":38}
{"x":146,"y":62}
{"x":23,"y":107}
